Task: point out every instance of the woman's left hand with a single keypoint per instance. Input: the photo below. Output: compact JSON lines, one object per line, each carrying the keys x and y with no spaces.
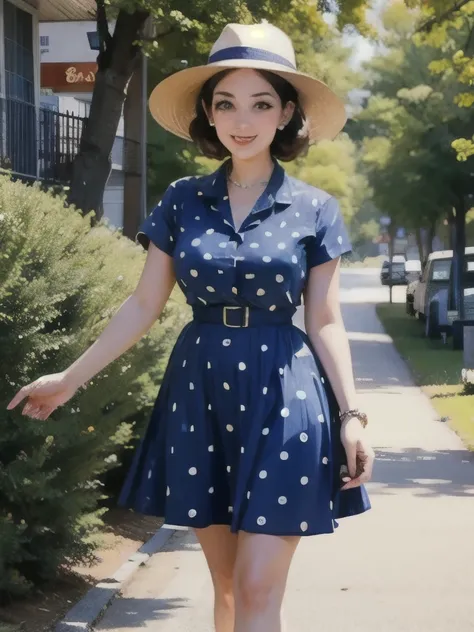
{"x":359,"y":452}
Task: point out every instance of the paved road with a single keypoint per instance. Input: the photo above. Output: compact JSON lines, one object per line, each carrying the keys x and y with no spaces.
{"x":407,"y":565}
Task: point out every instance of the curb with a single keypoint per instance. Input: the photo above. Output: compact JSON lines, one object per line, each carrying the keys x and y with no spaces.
{"x":88,"y":610}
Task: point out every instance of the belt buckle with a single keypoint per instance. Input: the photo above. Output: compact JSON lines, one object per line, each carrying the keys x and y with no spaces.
{"x":246,"y":315}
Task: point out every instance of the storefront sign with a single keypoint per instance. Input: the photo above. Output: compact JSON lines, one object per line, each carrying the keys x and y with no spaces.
{"x":69,"y":77}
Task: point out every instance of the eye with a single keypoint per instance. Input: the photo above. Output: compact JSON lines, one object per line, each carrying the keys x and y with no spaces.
{"x":223,"y":105}
{"x":263,"y":105}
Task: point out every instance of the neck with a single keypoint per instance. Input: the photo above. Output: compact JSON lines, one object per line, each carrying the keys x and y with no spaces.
{"x":252,"y":170}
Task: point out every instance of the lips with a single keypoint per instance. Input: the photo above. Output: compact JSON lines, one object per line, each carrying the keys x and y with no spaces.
{"x":243,"y":140}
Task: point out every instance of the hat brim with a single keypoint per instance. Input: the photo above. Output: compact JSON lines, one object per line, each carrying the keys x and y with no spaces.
{"x":173,"y":101}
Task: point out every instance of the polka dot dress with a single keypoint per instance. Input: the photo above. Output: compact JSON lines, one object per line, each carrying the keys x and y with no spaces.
{"x":244,"y":430}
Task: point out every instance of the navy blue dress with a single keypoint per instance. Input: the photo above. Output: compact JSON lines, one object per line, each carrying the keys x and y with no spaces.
{"x":244,"y":431}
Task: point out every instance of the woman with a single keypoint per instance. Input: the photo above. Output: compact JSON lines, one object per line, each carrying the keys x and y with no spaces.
{"x":255,"y":419}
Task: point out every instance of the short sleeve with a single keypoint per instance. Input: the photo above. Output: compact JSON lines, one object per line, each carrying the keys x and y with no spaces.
{"x":331,"y":238}
{"x":160,"y":226}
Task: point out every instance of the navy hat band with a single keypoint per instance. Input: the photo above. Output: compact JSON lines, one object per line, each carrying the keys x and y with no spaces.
{"x":248,"y":52}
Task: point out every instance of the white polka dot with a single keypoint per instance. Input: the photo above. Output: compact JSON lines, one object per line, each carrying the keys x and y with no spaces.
{"x":279,"y":278}
{"x":234,"y":290}
{"x":300,"y":394}
{"x":339,"y":239}
{"x":195,"y":242}
{"x":303,"y":437}
{"x":208,"y":365}
{"x":282,"y":500}
{"x":191,"y":386}
{"x":202,"y":300}
{"x":331,"y":505}
{"x":266,"y":259}
{"x":268,"y":233}
{"x":220,"y":272}
{"x":229,"y":469}
{"x":281,"y":246}
{"x":295,"y":234}
{"x":281,"y":371}
{"x":248,"y":495}
{"x":210,"y":448}
{"x":261,"y":520}
{"x":254,"y":245}
{"x":230,"y":509}
{"x":172,"y":450}
{"x":174,"y":406}
{"x":283,"y":224}
{"x":314,"y":202}
{"x":284,"y":412}
{"x":265,"y":431}
{"x":192,"y":471}
{"x":229,"y":428}
{"x":197,"y":217}
{"x":199,"y":192}
{"x":182,"y":255}
{"x":192,"y":513}
{"x":288,"y":296}
{"x":321,"y":418}
{"x":194,"y":273}
{"x":272,"y":308}
{"x":184,"y":363}
{"x":209,"y":288}
{"x":297,"y":214}
{"x":211,"y":490}
{"x":304,"y":480}
{"x":207,"y":256}
{"x":260,"y":292}
{"x":198,"y":340}
{"x":226,"y":342}
{"x":242,"y":407}
{"x":209,"y":407}
{"x":209,"y":231}
{"x":226,"y":197}
{"x":294,"y":259}
{"x":265,"y":390}
{"x":284,"y":455}
{"x":182,"y":229}
{"x":226,"y":386}
{"x":262,"y":474}
{"x":242,"y":366}
{"x":322,"y":380}
{"x":223,"y":244}
{"x":242,"y":450}
{"x":264,"y":348}
{"x":304,"y":526}
{"x":191,"y":429}
{"x":325,"y":460}
{"x":250,"y":276}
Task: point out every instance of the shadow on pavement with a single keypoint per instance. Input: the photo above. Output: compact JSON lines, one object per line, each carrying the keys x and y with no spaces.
{"x":131,"y":612}
{"x":433,"y":473}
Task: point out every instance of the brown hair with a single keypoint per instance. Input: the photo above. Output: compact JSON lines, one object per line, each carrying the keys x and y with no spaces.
{"x":288,"y":143}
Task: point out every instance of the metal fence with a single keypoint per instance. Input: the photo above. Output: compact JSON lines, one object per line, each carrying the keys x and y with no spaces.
{"x":38,"y":142}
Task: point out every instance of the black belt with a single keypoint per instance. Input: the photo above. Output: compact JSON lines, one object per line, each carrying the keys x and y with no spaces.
{"x":241,"y":316}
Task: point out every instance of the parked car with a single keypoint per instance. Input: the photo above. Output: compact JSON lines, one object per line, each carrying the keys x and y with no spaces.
{"x":429,"y":298}
{"x":412,"y":270}
{"x":393,"y":273}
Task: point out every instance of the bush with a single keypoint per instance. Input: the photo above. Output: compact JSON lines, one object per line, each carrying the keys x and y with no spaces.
{"x":60,"y":282}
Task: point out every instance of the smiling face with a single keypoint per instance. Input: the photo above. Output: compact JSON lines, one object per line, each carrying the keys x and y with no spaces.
{"x":247,"y":111}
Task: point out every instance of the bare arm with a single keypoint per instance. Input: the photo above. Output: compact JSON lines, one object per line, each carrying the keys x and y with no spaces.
{"x":131,"y":321}
{"x":325,"y":329}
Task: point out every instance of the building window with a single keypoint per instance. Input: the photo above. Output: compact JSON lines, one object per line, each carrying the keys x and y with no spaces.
{"x":44,"y":40}
{"x":19,"y":59}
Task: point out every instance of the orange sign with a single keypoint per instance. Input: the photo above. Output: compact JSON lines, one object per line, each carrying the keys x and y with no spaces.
{"x":69,"y":77}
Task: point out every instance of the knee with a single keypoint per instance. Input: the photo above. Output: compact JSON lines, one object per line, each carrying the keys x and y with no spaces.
{"x":223,"y":583}
{"x":254,"y":591}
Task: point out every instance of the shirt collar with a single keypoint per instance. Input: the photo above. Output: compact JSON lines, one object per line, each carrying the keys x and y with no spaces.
{"x":278,"y":190}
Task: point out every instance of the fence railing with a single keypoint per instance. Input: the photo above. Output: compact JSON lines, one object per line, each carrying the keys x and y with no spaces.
{"x":38,"y":142}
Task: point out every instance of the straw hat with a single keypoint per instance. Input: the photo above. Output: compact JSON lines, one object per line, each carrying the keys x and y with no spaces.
{"x":260,"y":46}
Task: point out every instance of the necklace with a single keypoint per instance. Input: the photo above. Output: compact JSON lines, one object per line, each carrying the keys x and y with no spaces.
{"x":246,"y":186}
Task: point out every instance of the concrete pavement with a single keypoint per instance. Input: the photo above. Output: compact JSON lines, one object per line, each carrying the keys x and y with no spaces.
{"x":408,"y":564}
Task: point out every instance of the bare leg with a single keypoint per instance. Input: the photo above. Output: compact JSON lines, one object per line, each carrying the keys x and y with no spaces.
{"x":261,"y":572}
{"x":220,"y":549}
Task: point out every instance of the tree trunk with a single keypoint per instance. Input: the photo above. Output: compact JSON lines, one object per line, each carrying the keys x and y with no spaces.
{"x":419,"y":243}
{"x":459,"y":257}
{"x":116,"y":63}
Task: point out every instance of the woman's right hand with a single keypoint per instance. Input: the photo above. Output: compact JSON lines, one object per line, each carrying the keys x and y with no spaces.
{"x":44,"y":395}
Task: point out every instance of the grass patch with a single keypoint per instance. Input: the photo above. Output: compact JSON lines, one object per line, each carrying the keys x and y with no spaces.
{"x":435,"y":367}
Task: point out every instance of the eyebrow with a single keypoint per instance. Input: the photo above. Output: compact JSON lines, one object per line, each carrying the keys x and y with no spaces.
{"x":258,"y":94}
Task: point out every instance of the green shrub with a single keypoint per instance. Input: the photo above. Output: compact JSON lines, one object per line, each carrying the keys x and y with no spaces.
{"x":60,"y":282}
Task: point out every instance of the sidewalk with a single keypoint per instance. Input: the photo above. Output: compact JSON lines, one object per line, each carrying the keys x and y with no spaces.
{"x":406,"y":565}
